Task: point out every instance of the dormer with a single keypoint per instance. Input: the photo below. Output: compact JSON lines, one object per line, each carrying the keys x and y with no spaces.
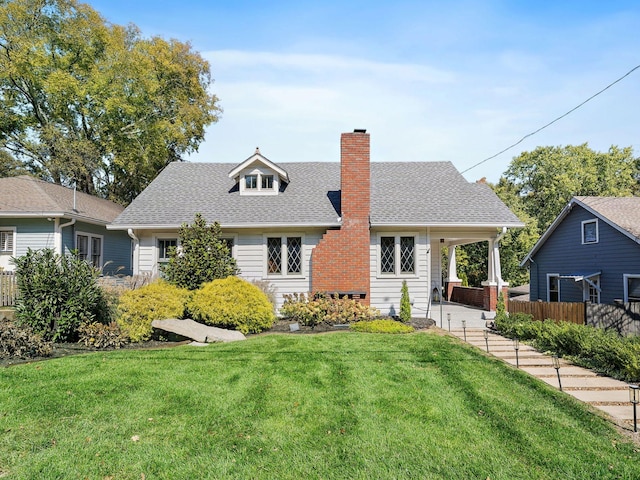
{"x":257,"y":175}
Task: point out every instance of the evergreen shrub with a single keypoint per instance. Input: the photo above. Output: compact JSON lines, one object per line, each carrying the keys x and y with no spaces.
{"x":58,"y":293}
{"x":232,"y":303}
{"x":381,"y":326}
{"x":157,"y":301}
{"x":405,"y":303}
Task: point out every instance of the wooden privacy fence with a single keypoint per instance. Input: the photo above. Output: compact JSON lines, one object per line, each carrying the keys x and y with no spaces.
{"x":8,"y":289}
{"x":569,"y":312}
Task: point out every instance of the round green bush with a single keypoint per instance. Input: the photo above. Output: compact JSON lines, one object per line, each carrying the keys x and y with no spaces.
{"x":232,"y":303}
{"x":156,"y":301}
{"x":381,"y":326}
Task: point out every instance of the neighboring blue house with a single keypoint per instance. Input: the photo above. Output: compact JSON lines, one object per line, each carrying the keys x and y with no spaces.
{"x":36,"y":214}
{"x":591,"y":252}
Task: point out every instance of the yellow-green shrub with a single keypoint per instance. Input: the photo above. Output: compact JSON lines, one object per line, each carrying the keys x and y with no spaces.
{"x":381,"y":326}
{"x":312,"y":310}
{"x":232,"y":302}
{"x":156,"y":301}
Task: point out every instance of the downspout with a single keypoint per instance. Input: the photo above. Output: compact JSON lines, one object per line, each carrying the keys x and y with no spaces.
{"x":136,"y":245}
{"x":58,"y":227}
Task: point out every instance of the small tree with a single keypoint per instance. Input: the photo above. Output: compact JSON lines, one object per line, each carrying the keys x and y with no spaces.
{"x":202,"y":256}
{"x":405,"y":303}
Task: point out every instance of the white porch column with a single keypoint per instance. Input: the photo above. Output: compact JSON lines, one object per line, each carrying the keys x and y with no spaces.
{"x":491,"y":262}
{"x":497,"y":269}
{"x":453,"y":268}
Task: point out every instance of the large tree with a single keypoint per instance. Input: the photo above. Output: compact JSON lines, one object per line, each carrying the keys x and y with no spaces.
{"x":87,"y":102}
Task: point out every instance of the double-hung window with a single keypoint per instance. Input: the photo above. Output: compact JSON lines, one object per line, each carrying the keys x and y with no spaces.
{"x":631,"y":287}
{"x":589,"y":231}
{"x":89,"y":248}
{"x":397,"y":255}
{"x":284,"y":255}
{"x":553,"y":287}
{"x":164,"y":245}
{"x":6,"y":241}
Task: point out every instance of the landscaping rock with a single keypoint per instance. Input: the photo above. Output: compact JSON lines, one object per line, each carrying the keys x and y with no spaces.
{"x":197,"y":331}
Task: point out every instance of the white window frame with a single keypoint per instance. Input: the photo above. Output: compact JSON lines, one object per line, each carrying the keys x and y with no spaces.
{"x":397,"y":255}
{"x":625,"y":279}
{"x":284,"y":255}
{"x":586,"y":222}
{"x":156,"y":242}
{"x":259,"y":173}
{"x":586,"y":289}
{"x":549,"y":276}
{"x":90,"y":237}
{"x":234,"y":239}
{"x":11,"y":230}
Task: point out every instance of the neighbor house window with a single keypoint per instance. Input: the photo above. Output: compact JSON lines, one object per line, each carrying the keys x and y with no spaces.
{"x":89,"y":248}
{"x":398,"y":255}
{"x":631,"y":288}
{"x":589,"y":231}
{"x":6,"y":241}
{"x":164,"y":244}
{"x":284,"y":255}
{"x":553,"y":288}
{"x":591,"y":292}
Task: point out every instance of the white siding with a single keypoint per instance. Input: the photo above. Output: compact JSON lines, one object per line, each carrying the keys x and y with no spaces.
{"x":386,"y":290}
{"x":250,"y":255}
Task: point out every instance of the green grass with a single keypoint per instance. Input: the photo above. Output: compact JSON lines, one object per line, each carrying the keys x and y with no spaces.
{"x":343,"y":405}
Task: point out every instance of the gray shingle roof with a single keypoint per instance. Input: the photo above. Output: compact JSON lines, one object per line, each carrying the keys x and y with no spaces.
{"x":403,"y":193}
{"x":623,"y":211}
{"x":28,"y":196}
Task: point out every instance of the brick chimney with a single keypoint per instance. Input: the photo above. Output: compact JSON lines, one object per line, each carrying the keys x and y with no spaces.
{"x":340,"y":261}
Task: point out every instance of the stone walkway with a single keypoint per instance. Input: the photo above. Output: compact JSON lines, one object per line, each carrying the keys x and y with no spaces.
{"x":604,"y":393}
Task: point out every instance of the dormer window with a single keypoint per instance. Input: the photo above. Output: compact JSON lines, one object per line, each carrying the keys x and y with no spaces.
{"x":267,"y":182}
{"x":259,"y":176}
{"x":251,"y":182}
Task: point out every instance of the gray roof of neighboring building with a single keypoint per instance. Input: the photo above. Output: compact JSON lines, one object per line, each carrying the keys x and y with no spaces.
{"x":25,"y":196}
{"x":402,"y":193}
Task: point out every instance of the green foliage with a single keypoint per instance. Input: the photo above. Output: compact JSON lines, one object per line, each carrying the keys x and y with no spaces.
{"x":203,"y":256}
{"x":89,"y":101}
{"x":99,"y":335}
{"x":157,"y":301}
{"x":381,"y":326}
{"x":405,"y":303}
{"x":58,"y":293}
{"x":500,"y":306}
{"x":232,"y":303}
{"x":20,"y":342}
{"x":312,"y":310}
{"x":601,"y":350}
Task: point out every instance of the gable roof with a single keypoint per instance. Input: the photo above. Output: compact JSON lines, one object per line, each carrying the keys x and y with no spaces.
{"x":26,"y":196}
{"x":258,"y":158}
{"x":621,"y":213}
{"x":402,"y":194}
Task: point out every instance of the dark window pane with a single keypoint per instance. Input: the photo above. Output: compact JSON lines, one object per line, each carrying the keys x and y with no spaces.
{"x":387,"y":255}
{"x":294,"y":255}
{"x":407,"y":255}
{"x":274,"y":255}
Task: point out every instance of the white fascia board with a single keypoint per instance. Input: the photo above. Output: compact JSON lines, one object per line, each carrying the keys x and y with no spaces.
{"x":229,"y":225}
{"x":448,"y":225}
{"x":543,"y":238}
{"x":257,"y":157}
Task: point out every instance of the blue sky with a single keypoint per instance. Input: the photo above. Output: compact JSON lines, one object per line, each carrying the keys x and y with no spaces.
{"x":456,"y":81}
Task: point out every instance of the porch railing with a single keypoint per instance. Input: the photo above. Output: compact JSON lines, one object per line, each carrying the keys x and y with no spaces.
{"x":8,"y":289}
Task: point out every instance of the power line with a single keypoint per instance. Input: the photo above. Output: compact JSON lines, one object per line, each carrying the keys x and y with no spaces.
{"x":555,"y":120}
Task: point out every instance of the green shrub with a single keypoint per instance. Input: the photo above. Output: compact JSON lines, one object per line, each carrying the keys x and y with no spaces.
{"x":99,"y":335}
{"x":312,"y":310}
{"x":58,"y":293}
{"x":232,"y":303}
{"x":601,"y":350}
{"x":202,"y":257}
{"x":381,"y":326}
{"x":405,"y":303}
{"x":157,"y":301}
{"x":19,"y":341}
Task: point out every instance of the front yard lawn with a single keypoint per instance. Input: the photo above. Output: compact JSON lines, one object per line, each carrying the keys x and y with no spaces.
{"x":331,"y":406}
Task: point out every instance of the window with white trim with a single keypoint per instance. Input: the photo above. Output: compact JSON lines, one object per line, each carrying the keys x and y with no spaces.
{"x":397,"y":255}
{"x":631,"y":287}
{"x":164,"y":245}
{"x":89,"y":247}
{"x":553,"y":287}
{"x":590,"y":231}
{"x":7,"y":241}
{"x":284,"y":255}
{"x":251,"y":182}
{"x":258,"y":181}
{"x":591,"y":289}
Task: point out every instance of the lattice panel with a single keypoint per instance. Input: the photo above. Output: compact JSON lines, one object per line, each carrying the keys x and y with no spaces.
{"x":407,"y":255}
{"x":387,"y":255}
{"x":294,"y":255}
{"x":274,"y":255}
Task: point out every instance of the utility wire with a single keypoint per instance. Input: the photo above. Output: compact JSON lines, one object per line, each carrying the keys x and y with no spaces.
{"x":554,"y":121}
